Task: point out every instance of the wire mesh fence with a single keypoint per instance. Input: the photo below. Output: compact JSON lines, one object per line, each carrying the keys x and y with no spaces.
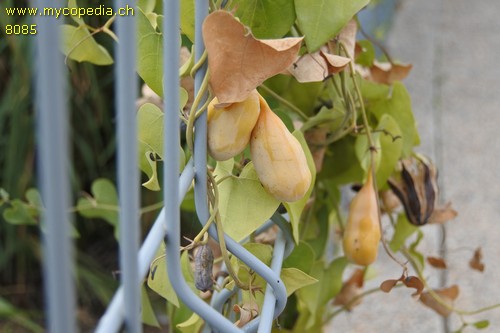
{"x":52,"y":129}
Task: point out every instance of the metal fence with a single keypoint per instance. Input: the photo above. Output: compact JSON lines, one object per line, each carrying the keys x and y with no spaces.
{"x":135,"y":258}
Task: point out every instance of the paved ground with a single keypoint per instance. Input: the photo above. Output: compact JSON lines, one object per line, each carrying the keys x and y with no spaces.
{"x":454,"y":46}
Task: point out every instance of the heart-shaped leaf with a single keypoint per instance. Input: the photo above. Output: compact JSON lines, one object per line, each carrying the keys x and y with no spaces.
{"x":238,"y":62}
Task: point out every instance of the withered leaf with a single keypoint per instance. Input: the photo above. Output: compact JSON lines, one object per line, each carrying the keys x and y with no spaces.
{"x":310,"y":67}
{"x":315,"y":67}
{"x":247,"y":313}
{"x":408,"y":281}
{"x":476,"y":261}
{"x":414,"y":282}
{"x":446,"y":295}
{"x":350,"y":290}
{"x":387,"y":285}
{"x":335,"y":63}
{"x":237,"y":61}
{"x":388,"y":73}
{"x":443,"y":214}
{"x":348,"y":37}
{"x":437,"y":262}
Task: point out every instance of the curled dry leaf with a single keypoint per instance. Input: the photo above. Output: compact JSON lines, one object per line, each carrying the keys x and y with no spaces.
{"x":247,"y":313}
{"x":348,"y":37}
{"x":387,"y":73}
{"x":387,"y":285}
{"x":414,"y":282}
{"x":390,"y":201}
{"x":476,"y":261}
{"x":446,"y":295}
{"x":437,"y":262}
{"x":315,"y":67}
{"x":238,"y":62}
{"x":443,"y":214}
{"x":408,"y":281}
{"x":350,"y":290}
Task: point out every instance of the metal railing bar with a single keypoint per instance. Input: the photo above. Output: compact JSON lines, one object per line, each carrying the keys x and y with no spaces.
{"x":171,"y":165}
{"x":267,"y":313}
{"x":112,"y":319}
{"x":128,"y":173}
{"x":53,"y":157}
{"x":200,"y":189}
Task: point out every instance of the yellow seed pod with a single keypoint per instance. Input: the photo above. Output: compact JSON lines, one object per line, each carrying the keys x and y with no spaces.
{"x":229,"y":128}
{"x":362,"y":232}
{"x":278,"y":157}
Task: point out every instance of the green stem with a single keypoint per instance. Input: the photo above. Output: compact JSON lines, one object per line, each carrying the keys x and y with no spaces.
{"x":192,"y":112}
{"x":284,"y":102}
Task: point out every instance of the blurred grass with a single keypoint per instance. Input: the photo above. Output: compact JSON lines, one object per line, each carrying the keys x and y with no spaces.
{"x":91,"y":104}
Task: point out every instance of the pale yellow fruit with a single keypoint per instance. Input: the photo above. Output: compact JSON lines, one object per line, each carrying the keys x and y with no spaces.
{"x":229,"y":128}
{"x":362,"y":232}
{"x":278,"y":157}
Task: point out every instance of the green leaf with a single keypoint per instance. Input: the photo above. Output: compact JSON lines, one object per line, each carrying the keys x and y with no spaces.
{"x":322,"y":20}
{"x":295,"y":208}
{"x":244,"y":205}
{"x":19,"y":214}
{"x":149,"y":53}
{"x":295,"y":279}
{"x":367,"y":55}
{"x":158,"y":278}
{"x":78,"y":44}
{"x":343,"y":165}
{"x":391,"y":147}
{"x":147,"y":6}
{"x":150,"y":136}
{"x":387,"y":140}
{"x":302,"y":257}
{"x":402,"y":231}
{"x":363,"y":153}
{"x":331,"y":116}
{"x":397,"y":104}
{"x":412,"y":250}
{"x":482,"y":324}
{"x":187,"y":18}
{"x":148,"y":314}
{"x":267,"y":18}
{"x":317,"y":295}
{"x":317,"y":232}
{"x":303,"y":95}
{"x":192,"y":324}
{"x":78,"y":20}
{"x":102,"y":204}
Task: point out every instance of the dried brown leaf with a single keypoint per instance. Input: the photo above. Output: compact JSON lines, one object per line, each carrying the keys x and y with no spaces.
{"x":309,"y":68}
{"x":446,"y":295}
{"x":442,"y":214}
{"x":348,"y":37}
{"x":390,"y":201}
{"x":336,"y":63}
{"x":387,"y":285}
{"x":437,"y":262}
{"x":414,"y":282}
{"x":476,"y":261}
{"x":247,"y":313}
{"x":238,"y":62}
{"x":350,"y":290}
{"x":387,"y":73}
